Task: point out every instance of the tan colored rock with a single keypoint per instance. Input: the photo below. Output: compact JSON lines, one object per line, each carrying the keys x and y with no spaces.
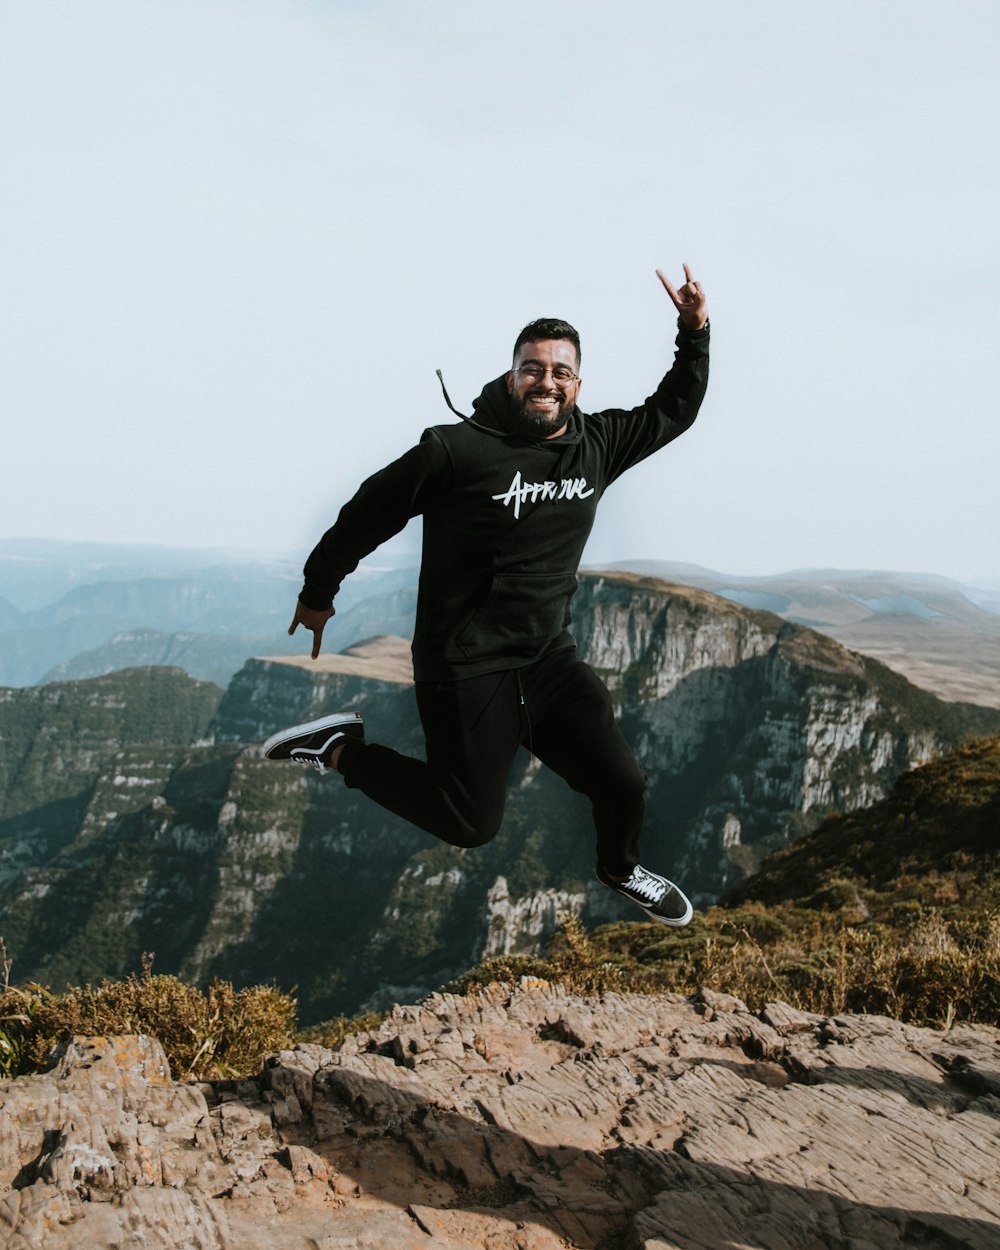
{"x":523,"y":1121}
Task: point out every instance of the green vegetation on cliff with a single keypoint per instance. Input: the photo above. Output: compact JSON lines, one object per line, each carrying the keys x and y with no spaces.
{"x":58,"y":740}
{"x":932,"y":843}
{"x":892,"y":910}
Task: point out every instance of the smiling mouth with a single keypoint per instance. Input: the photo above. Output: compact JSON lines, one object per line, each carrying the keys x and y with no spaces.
{"x":547,"y":401}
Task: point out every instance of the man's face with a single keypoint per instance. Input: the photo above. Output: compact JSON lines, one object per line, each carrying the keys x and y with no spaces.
{"x":542,"y":404}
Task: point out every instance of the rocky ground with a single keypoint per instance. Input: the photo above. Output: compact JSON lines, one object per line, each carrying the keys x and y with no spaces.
{"x":524,"y":1121}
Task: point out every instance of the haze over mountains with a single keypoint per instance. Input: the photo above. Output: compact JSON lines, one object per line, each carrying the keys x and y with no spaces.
{"x":80,"y":610}
{"x":75,"y":610}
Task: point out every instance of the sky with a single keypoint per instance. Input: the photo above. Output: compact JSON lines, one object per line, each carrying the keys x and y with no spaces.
{"x":239,"y":237}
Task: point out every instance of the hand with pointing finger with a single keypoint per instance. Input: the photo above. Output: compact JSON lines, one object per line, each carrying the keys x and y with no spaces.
{"x":314,"y":620}
{"x":689,"y":300}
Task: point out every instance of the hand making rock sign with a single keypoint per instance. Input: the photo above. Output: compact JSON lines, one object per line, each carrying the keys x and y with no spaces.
{"x":689,"y":300}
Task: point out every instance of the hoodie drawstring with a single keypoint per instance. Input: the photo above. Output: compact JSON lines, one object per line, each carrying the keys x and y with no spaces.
{"x":447,"y":397}
{"x":468,"y":420}
{"x":524,"y":705}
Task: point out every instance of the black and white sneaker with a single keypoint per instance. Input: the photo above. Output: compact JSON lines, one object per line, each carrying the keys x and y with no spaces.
{"x":659,"y":898}
{"x":311,"y":743}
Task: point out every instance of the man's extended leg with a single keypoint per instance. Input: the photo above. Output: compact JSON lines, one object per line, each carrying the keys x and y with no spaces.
{"x":574,"y":732}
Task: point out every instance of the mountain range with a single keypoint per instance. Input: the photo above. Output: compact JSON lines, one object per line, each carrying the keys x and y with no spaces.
{"x":75,"y":610}
{"x":69,"y":611}
{"x":138,"y":814}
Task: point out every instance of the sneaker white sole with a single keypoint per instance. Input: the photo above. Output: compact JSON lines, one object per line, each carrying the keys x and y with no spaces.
{"x":337,"y":724}
{"x":677,"y":922}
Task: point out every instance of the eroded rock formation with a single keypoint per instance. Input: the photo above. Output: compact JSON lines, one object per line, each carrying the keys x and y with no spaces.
{"x":524,"y":1121}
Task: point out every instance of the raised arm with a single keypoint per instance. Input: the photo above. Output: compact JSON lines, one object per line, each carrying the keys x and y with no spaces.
{"x":636,"y":433}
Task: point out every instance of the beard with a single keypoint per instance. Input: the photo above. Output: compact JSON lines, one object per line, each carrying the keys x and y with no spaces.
{"x":540,"y":422}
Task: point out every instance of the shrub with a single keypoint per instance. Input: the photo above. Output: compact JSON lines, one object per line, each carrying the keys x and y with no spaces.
{"x":218,"y":1032}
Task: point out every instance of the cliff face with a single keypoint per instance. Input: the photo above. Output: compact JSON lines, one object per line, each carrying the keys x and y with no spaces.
{"x":76,"y":755}
{"x":225,"y":864}
{"x":524,"y":1120}
{"x":750,"y":729}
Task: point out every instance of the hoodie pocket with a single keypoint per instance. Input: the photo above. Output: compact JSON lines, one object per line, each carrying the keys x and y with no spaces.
{"x":522,"y":614}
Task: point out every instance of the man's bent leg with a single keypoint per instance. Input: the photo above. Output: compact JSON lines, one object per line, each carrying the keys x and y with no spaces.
{"x":473,"y":730}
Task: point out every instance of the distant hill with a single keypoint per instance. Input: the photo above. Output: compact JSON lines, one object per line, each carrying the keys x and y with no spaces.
{"x":95,"y":629}
{"x":76,"y":610}
{"x":217,"y":657}
{"x":35,"y":572}
{"x":10,"y":617}
{"x":940,"y":634}
{"x":122,"y":607}
{"x":209,"y":657}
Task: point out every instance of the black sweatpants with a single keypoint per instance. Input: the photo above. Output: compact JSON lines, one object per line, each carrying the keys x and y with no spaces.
{"x":558,"y":708}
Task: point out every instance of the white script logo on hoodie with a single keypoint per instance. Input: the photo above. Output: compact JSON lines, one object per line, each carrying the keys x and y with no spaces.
{"x":532,"y":492}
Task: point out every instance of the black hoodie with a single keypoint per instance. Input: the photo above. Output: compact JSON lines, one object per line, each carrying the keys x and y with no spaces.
{"x":506,"y":518}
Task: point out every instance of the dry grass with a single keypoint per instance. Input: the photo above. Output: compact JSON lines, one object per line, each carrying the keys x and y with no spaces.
{"x":218,"y":1032}
{"x":332,"y":1032}
{"x":936,"y":975}
{"x":894,"y":910}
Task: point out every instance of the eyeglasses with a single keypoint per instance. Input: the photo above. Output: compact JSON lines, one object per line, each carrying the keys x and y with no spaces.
{"x":562,"y":375}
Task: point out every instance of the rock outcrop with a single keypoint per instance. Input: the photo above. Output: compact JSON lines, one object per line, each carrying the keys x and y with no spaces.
{"x":523,"y":1121}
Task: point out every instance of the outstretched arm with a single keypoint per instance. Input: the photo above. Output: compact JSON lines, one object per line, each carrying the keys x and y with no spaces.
{"x":381,"y":507}
{"x":689,"y":300}
{"x":638,"y":432}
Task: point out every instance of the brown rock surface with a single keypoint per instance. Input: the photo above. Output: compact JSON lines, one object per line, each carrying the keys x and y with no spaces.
{"x":524,"y":1121}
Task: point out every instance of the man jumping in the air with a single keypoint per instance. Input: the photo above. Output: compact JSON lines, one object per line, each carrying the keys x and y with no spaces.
{"x":508,"y":499}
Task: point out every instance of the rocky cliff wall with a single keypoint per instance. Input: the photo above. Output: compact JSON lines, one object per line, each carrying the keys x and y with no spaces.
{"x":750,"y":729}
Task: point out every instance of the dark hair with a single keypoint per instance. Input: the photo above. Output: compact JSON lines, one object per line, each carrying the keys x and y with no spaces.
{"x":547,"y":328}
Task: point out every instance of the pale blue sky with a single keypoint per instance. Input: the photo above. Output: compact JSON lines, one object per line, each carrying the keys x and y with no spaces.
{"x":238,"y":238}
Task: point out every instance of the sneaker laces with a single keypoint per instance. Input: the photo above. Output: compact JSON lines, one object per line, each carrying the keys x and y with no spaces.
{"x":318,"y":764}
{"x":645,"y":885}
